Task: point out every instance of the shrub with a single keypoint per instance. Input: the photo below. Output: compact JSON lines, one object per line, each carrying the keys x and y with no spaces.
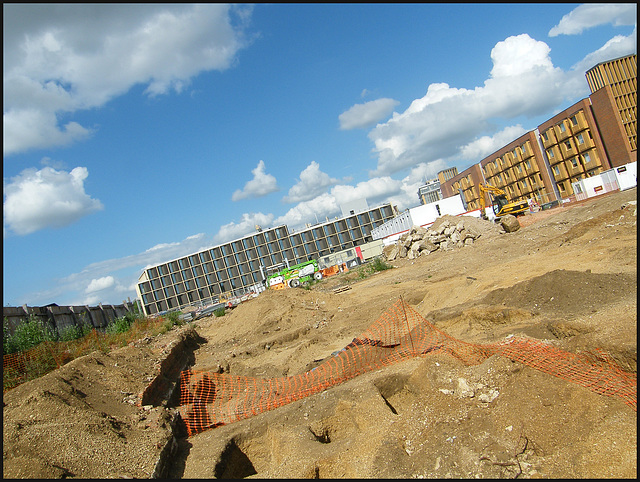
{"x":378,"y":264}
{"x":220,"y":312}
{"x":26,"y":335}
{"x":70,"y":333}
{"x":119,"y":325}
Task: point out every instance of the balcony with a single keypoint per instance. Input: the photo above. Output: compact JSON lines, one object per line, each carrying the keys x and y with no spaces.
{"x":551,"y":138}
{"x":586,"y":145}
{"x":562,"y":135}
{"x":581,"y":124}
{"x":567,"y":152}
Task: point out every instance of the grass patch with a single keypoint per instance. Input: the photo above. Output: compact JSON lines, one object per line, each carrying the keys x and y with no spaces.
{"x":374,"y":266}
{"x":35,"y":349}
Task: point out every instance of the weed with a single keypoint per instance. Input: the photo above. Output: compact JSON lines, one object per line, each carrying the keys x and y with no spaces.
{"x":220,"y":312}
{"x":26,"y":335}
{"x":70,"y":333}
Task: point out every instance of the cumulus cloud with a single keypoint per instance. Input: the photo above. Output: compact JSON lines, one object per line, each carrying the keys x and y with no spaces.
{"x":46,"y":198}
{"x":481,"y":147}
{"x":245,"y":226}
{"x":312,"y":183}
{"x":591,"y":15}
{"x":367,"y":114}
{"x":523,"y":81}
{"x":618,"y":46}
{"x":261,"y":185}
{"x":63,"y":58}
{"x":100,"y":284}
{"x":113,"y":280}
{"x":310,"y":211}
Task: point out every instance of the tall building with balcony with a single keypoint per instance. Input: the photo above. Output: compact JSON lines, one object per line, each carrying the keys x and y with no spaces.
{"x":573,"y":147}
{"x":520,"y":170}
{"x":614,"y":99}
{"x":240,"y":266}
{"x":592,"y":136}
{"x":429,"y":192}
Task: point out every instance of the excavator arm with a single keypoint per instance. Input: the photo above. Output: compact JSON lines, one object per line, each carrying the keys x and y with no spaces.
{"x":501,"y":204}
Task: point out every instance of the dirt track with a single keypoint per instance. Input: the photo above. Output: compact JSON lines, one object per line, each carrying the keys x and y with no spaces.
{"x":569,"y":275}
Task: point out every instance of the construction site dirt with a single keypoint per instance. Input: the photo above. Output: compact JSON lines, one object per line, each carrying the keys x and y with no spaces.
{"x":567,"y":277}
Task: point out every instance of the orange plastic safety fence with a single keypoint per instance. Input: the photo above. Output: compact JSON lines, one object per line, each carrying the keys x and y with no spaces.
{"x":211,"y":399}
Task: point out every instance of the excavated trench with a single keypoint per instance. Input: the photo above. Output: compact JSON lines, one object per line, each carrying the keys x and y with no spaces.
{"x":530,"y":305}
{"x":164,"y":391}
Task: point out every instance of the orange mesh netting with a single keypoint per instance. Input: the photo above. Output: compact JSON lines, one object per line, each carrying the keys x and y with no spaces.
{"x":209,"y":399}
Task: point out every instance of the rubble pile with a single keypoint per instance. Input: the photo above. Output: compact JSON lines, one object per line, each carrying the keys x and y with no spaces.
{"x":421,"y":241}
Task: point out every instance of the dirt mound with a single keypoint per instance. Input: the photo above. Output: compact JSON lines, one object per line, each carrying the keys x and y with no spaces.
{"x":567,"y":277}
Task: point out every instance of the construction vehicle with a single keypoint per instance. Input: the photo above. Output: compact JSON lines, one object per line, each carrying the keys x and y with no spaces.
{"x":294,"y":276}
{"x":500,"y":203}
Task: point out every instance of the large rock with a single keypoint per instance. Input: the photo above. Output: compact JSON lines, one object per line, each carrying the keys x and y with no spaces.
{"x":510,"y":223}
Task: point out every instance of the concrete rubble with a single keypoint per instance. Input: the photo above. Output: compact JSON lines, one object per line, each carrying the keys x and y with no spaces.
{"x":419,"y":241}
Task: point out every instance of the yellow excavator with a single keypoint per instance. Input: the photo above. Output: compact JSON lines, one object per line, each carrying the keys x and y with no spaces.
{"x":500,"y":203}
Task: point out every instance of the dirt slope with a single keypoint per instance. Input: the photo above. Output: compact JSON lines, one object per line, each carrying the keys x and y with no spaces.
{"x":569,"y":275}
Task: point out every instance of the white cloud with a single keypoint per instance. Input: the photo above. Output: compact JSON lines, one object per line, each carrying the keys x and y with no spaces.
{"x":312,"y":183}
{"x":63,"y":58}
{"x":367,"y":114}
{"x":591,"y":15}
{"x":245,"y":226}
{"x":618,"y":46}
{"x":46,"y":198}
{"x":261,"y":185}
{"x":93,"y":284}
{"x":523,"y":81}
{"x":481,"y":147}
{"x":311,"y":211}
{"x":100,"y":284}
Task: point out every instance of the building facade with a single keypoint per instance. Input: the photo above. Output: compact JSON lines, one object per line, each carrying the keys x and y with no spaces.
{"x":618,"y":80}
{"x":430,"y":192}
{"x":592,"y":136}
{"x":241,"y":266}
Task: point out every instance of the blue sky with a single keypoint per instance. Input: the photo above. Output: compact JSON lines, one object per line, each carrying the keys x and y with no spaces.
{"x":136,"y":134}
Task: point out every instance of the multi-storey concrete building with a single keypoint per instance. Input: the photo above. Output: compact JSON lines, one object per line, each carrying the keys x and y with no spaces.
{"x":592,"y":136}
{"x":614,"y":89}
{"x":240,"y":266}
{"x":430,"y":192}
{"x":573,"y":147}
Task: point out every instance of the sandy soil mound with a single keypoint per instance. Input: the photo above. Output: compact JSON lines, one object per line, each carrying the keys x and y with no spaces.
{"x":568,"y":277}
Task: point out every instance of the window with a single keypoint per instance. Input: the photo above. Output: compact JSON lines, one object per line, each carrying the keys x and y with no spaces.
{"x":587,"y":157}
{"x":550,"y":153}
{"x":574,"y":162}
{"x":574,"y":120}
{"x":562,"y":127}
{"x":528,"y":164}
{"x":580,"y":138}
{"x":545,"y":136}
{"x":567,"y":144}
{"x":556,"y":170}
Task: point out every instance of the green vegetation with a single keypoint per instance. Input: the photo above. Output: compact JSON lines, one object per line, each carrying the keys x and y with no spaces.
{"x":220,"y":312}
{"x":374,"y":266}
{"x":30,"y":357}
{"x":26,"y":335}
